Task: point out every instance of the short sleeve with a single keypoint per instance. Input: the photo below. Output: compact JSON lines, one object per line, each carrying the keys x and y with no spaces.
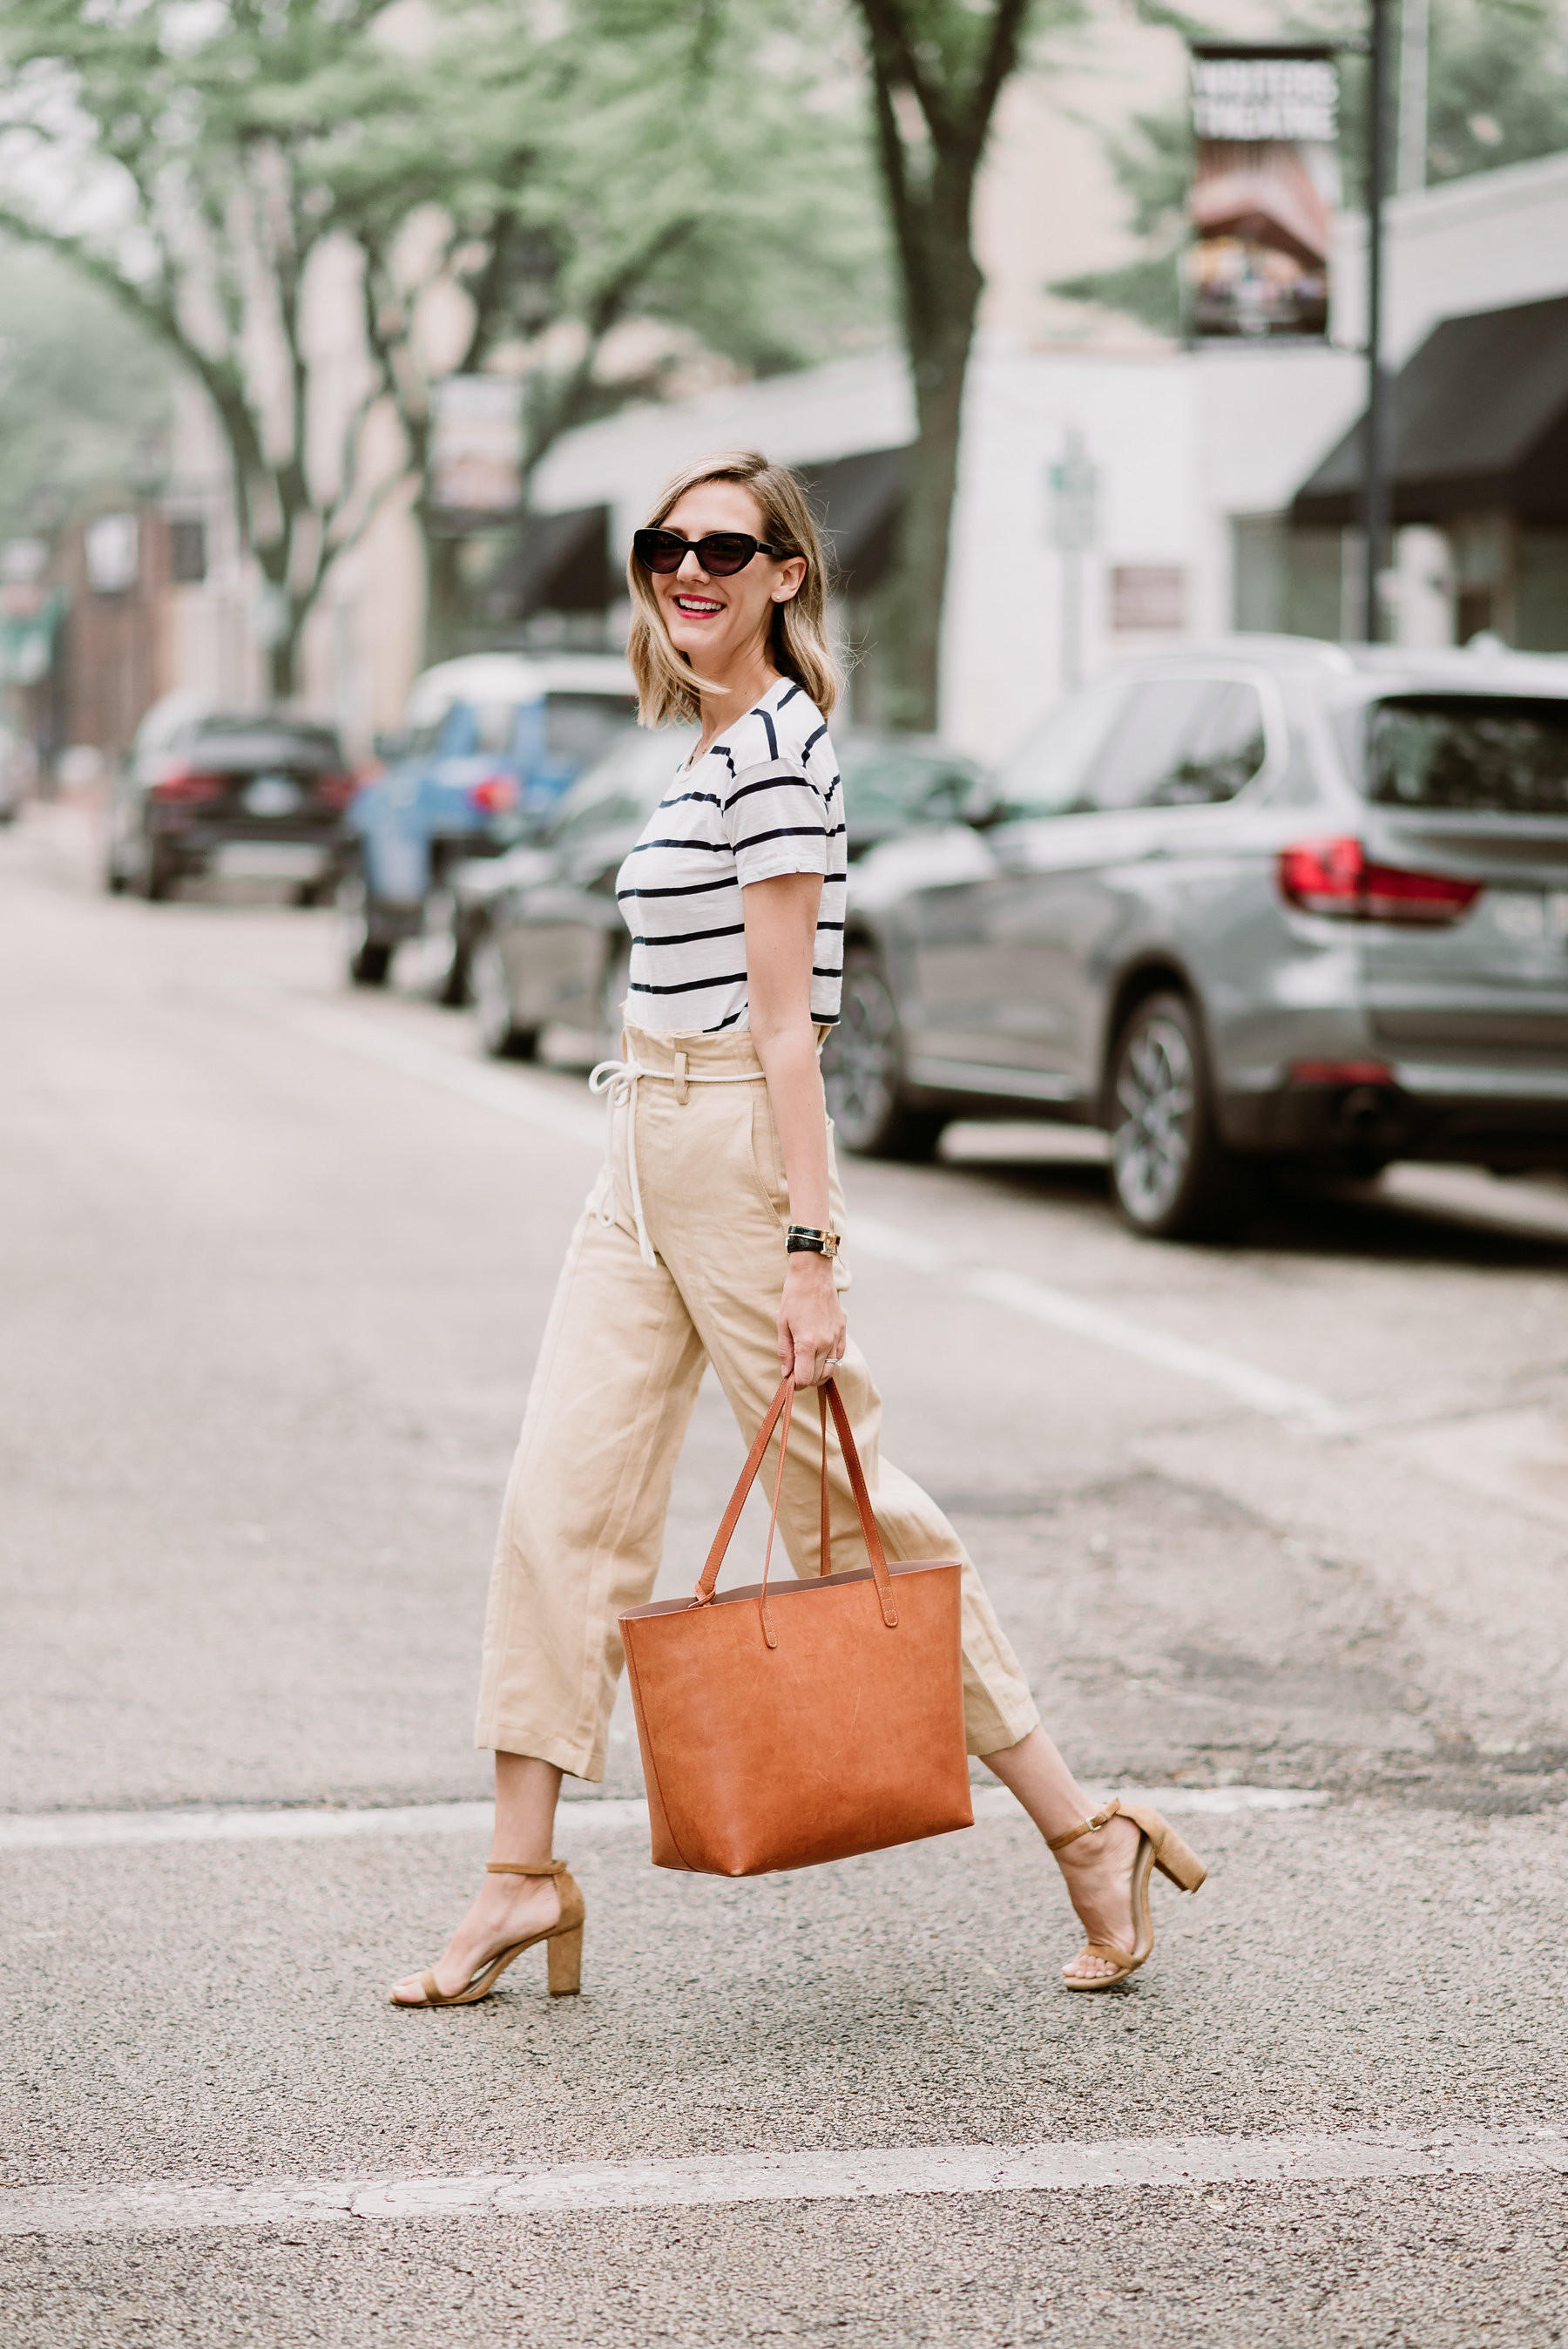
{"x":776,"y":821}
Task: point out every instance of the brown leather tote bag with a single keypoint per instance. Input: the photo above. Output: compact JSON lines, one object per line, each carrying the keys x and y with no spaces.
{"x":781,"y":1728}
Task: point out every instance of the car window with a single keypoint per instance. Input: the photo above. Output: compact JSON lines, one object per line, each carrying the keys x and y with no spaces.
{"x":470,"y":730}
{"x":1045,"y":775}
{"x":884,"y":787}
{"x":1147,"y":755}
{"x":1226,"y":747}
{"x":623,"y":788}
{"x":578,"y":726}
{"x":1483,"y":754}
{"x":259,"y":743}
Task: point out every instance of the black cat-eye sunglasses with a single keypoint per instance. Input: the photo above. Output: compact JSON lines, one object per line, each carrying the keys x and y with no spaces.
{"x":721,"y":553}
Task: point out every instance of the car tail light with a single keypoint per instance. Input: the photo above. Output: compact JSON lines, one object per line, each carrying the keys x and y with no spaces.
{"x":494,"y":794}
{"x":188,"y":784}
{"x":336,"y":789}
{"x":1341,"y":1072}
{"x":1335,"y":876}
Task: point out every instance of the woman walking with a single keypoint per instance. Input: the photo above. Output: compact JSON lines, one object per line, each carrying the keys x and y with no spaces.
{"x":712,"y":1237}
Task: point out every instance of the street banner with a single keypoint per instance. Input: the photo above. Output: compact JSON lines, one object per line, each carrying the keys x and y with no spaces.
{"x":476,"y":445}
{"x":1265,"y":183}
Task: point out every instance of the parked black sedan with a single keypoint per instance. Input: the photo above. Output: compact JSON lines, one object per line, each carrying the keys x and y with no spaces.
{"x":545,"y":942}
{"x":233,"y":793}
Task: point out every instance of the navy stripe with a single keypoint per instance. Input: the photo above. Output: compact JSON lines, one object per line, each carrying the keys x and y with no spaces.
{"x":690,"y":889}
{"x":711,"y":847}
{"x":770,"y":783}
{"x":728,"y":1020}
{"x":689,"y":986}
{"x":772,"y":737}
{"x":689,"y":937}
{"x":784,"y":831}
{"x":786,"y":698}
{"x":811,"y":740}
{"x":712,"y":799}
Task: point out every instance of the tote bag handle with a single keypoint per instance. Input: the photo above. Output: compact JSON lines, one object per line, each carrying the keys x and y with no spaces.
{"x":782,"y":1408}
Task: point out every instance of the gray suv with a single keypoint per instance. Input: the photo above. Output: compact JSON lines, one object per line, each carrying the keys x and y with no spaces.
{"x":1279,"y":900}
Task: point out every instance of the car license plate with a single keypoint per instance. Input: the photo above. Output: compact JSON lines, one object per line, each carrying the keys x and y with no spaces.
{"x":271,"y":795}
{"x":271,"y":860}
{"x":1531,"y":916}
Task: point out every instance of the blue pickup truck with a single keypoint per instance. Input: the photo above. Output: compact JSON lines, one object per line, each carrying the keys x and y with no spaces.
{"x":488,"y":744}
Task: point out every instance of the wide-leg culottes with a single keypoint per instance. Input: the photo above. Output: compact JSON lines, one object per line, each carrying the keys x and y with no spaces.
{"x":695,"y":1159}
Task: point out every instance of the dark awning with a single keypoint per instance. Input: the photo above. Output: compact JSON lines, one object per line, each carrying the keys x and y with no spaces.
{"x":858,"y":502}
{"x":1480,"y":420}
{"x":561,"y":563}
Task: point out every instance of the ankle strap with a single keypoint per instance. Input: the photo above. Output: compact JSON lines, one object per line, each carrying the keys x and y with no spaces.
{"x":1090,"y":1827}
{"x":524,"y":1867}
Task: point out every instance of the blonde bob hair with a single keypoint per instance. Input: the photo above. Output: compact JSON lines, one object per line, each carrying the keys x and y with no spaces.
{"x":667,"y":687}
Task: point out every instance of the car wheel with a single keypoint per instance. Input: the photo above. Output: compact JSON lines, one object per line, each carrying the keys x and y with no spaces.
{"x":442,"y":970}
{"x":366,"y":959}
{"x":1172,"y":1177}
{"x":502,"y":1039}
{"x":863,"y":1070}
{"x":156,"y":877}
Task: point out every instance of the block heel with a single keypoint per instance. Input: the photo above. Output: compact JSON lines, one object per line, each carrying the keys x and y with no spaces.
{"x":1159,"y":1846}
{"x":563,"y":1945}
{"x":1173,"y":1859}
{"x":564,"y":1962}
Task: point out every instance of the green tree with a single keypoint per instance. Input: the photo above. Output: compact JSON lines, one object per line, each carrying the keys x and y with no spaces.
{"x":622,"y":163}
{"x":158,"y":148}
{"x":1499,"y":85}
{"x":633,"y":169}
{"x":85,"y":393}
{"x":938,"y":68}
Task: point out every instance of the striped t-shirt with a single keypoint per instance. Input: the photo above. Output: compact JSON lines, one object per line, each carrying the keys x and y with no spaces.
{"x":764,"y":799}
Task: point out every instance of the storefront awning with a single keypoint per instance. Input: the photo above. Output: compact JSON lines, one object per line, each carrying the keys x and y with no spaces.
{"x":561,"y":563}
{"x":858,"y":502}
{"x":1481,"y":423}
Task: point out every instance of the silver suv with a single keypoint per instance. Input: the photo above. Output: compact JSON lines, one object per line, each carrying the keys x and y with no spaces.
{"x":1279,"y":900}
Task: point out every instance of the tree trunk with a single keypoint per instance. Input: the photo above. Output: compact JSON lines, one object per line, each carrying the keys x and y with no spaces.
{"x":912,"y":609}
{"x":952,"y":73}
{"x":445,"y":599}
{"x":282,"y":661}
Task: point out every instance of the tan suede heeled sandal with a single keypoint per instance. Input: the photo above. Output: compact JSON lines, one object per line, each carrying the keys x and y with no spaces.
{"x":563,"y":1955}
{"x":1159,"y":1846}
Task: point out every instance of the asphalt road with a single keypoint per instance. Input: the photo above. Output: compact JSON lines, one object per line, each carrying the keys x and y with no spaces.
{"x":1282,"y":1520}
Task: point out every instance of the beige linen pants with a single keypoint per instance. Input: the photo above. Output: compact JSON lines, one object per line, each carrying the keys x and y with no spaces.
{"x":695,"y":1160}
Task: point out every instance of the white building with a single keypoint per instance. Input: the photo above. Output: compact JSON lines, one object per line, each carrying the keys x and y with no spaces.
{"x":1197,"y":457}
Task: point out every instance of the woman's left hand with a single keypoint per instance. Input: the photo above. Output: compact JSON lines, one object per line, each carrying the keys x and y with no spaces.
{"x":812,"y":1332}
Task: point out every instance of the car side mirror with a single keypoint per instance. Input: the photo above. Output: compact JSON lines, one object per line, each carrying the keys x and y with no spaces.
{"x":393,"y":745}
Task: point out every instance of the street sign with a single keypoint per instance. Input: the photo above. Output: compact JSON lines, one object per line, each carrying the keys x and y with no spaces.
{"x":1072,"y":516}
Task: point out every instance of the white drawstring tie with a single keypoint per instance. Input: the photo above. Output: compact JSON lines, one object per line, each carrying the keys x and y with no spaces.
{"x":619,"y":1079}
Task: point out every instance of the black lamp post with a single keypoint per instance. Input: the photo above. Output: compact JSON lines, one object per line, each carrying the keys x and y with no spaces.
{"x":1375,"y":500}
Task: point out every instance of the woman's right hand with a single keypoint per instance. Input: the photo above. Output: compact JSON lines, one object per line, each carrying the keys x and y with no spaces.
{"x":812,"y":1331}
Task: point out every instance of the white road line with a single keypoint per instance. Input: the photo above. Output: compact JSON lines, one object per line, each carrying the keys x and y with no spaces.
{"x":511,"y":1091}
{"x":1182,"y":2164}
{"x":517,"y":1095}
{"x":1060,"y":1308}
{"x":218,"y":1823}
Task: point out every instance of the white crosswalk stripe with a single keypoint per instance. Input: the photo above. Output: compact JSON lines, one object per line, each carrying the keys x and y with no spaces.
{"x":1181,"y":2164}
